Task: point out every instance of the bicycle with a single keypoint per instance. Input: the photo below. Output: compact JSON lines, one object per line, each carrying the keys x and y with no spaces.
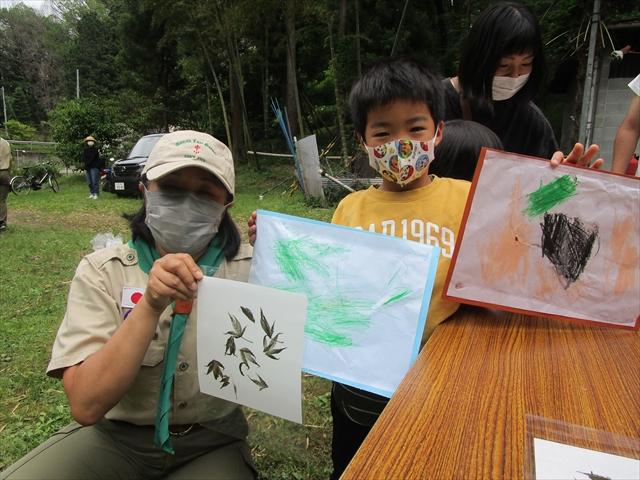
{"x":21,"y":185}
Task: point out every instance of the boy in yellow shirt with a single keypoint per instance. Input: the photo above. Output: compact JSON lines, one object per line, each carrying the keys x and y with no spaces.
{"x":397,"y":108}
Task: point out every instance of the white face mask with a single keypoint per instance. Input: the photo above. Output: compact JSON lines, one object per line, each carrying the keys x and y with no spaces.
{"x":90,"y":143}
{"x":506,"y":87}
{"x":402,"y":161}
{"x":182,"y":222}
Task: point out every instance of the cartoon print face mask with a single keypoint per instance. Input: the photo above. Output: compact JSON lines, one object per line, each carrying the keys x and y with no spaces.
{"x":402,"y":161}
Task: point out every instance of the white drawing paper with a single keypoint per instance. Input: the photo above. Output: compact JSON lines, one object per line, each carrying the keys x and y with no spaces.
{"x":368,"y":296}
{"x":561,"y":242}
{"x":250,"y":345}
{"x":557,"y":461}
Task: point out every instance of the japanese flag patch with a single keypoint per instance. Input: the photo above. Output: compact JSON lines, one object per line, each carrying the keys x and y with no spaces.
{"x":131,"y":296}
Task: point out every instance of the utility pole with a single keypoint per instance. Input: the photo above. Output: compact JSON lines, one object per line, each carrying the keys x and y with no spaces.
{"x":590,"y":82}
{"x":4,"y":108}
{"x":77,"y":83}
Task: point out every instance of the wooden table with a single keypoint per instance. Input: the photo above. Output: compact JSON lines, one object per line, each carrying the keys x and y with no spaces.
{"x":487,"y":381}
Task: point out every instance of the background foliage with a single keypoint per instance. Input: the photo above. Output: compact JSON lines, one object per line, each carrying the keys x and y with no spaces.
{"x":146,"y":66}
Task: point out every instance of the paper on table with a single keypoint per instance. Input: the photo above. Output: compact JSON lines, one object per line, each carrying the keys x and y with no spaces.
{"x":555,"y":461}
{"x":250,"y":342}
{"x":368,"y":296}
{"x":559,"y":242}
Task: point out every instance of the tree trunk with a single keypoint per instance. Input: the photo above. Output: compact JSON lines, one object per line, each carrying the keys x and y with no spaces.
{"x":395,"y":41}
{"x":343,"y":135}
{"x":358,"y":39}
{"x":265,"y":84}
{"x":292,"y":103}
{"x":238,"y":150}
{"x":442,"y":29}
{"x":222,"y":105}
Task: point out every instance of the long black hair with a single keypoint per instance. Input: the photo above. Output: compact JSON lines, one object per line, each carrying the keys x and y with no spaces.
{"x":227,"y":229}
{"x":506,"y":28}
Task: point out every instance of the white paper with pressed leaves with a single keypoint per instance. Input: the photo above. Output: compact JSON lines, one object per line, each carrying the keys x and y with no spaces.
{"x":561,"y":242}
{"x":555,"y":460}
{"x":250,"y":345}
{"x":368,"y":296}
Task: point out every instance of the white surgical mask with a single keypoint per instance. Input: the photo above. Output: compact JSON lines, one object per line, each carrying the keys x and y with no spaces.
{"x":504,"y":88}
{"x":182,"y":222}
{"x":90,"y":143}
{"x":402,"y":161}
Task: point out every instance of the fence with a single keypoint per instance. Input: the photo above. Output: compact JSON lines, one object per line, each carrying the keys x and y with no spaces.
{"x":29,"y":153}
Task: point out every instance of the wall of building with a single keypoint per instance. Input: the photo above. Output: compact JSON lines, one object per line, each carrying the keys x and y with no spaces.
{"x":614,"y":96}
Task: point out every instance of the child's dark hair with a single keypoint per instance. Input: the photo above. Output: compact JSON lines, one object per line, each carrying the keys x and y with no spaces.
{"x":227,"y":229}
{"x":458,"y":151}
{"x":502,"y":29}
{"x":395,"y":79}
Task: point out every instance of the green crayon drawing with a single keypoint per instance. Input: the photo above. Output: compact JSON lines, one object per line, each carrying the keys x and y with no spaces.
{"x":295,"y":257}
{"x":397,"y":297}
{"x":548,"y":196}
{"x":336,"y":317}
{"x":335,"y":321}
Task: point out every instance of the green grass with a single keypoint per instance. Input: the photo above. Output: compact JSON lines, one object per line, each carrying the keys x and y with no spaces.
{"x":47,"y":235}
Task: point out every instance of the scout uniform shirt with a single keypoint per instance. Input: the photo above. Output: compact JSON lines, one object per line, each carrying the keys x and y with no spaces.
{"x":95,"y":310}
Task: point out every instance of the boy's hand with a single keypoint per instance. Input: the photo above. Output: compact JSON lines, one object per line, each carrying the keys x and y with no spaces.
{"x":253,"y":228}
{"x":578,"y":156}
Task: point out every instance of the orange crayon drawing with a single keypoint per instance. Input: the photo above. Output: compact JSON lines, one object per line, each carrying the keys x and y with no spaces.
{"x":506,"y":254}
{"x":623,"y":257}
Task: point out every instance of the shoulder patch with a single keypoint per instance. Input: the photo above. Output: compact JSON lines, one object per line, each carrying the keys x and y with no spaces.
{"x":123,"y":253}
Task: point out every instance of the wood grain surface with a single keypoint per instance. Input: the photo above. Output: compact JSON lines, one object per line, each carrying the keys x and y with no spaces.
{"x":488,"y":381}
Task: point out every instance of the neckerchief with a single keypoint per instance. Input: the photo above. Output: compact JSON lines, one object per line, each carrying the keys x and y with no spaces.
{"x":148,"y":254}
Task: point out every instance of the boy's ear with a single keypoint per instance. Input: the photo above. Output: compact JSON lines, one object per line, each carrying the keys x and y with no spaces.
{"x":439,"y":134}
{"x":362,"y":144}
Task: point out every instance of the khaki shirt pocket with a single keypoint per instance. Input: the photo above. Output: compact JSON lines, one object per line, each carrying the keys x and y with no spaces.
{"x":140,"y":403}
{"x":154,"y":354}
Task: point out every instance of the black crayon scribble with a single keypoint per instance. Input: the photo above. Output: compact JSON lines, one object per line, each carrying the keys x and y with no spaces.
{"x":568,"y":244}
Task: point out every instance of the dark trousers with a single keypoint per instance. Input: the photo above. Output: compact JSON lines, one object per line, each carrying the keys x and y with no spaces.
{"x":5,"y":187}
{"x":93,"y":179}
{"x":121,"y":450}
{"x":347,"y":438}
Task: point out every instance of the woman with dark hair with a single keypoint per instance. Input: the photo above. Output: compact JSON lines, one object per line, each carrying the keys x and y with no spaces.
{"x":457,"y":153}
{"x":126,"y":349}
{"x":502,"y":69}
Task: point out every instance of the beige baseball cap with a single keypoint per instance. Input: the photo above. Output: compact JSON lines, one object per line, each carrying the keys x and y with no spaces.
{"x":188,"y":148}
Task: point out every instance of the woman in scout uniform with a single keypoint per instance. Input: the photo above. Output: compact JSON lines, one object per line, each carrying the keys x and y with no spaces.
{"x":126,"y":349}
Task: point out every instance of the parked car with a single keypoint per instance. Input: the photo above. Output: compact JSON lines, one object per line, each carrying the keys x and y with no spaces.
{"x":125,"y":173}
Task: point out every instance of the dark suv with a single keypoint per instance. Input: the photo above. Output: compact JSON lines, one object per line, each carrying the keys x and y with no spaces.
{"x":125,"y":174}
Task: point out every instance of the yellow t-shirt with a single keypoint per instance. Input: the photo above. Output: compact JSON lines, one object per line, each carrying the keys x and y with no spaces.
{"x":431,"y":215}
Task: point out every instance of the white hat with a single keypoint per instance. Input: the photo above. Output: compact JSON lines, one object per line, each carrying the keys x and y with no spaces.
{"x":188,"y":148}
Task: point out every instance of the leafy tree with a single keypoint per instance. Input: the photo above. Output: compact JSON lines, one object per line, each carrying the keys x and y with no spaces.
{"x":28,"y":57}
{"x":19,"y":131}
{"x":91,"y":48}
{"x":20,"y":108}
{"x":72,"y":121}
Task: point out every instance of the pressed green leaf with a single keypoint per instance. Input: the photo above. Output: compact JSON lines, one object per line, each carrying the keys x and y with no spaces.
{"x":247,"y":356}
{"x":265,"y":324}
{"x":271,"y":353}
{"x":261,"y":383}
{"x":230,"y":348}
{"x":248,"y":313}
